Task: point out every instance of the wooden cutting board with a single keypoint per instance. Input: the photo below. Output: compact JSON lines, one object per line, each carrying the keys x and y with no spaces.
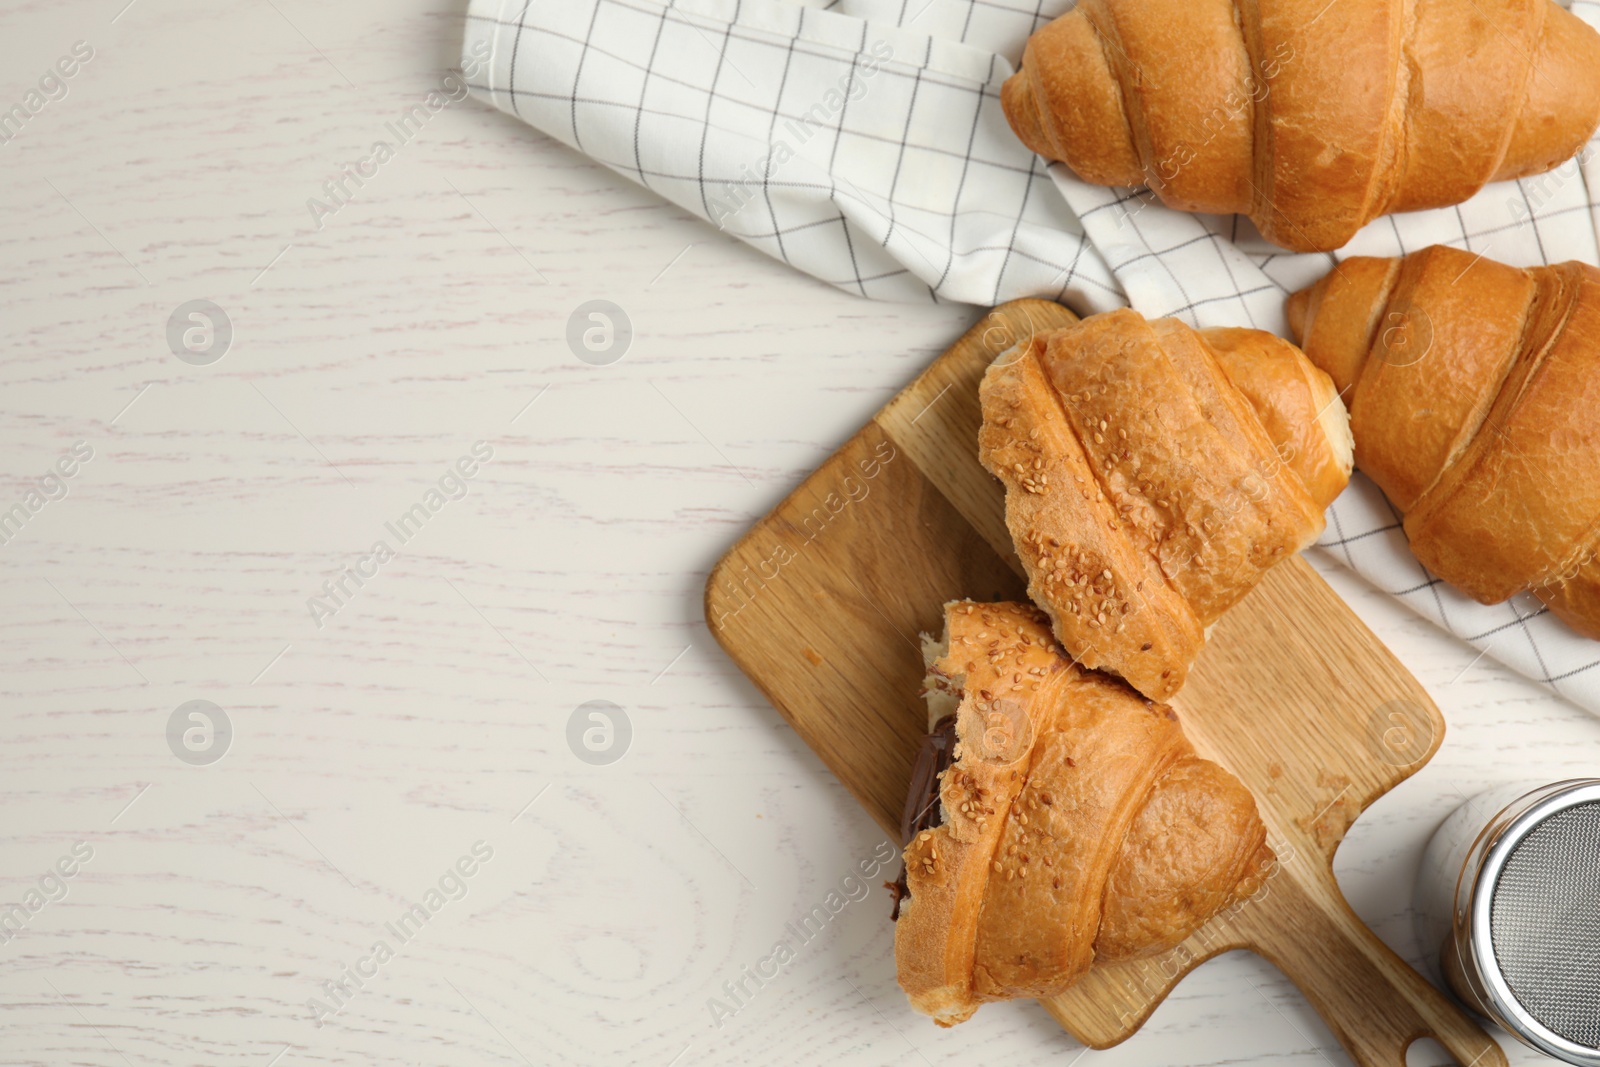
{"x":821,"y":604}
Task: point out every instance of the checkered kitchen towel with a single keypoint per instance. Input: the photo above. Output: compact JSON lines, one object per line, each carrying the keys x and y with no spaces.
{"x":862,"y":141}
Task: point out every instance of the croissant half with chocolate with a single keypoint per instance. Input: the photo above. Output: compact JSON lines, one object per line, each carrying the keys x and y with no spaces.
{"x":1311,"y":117}
{"x":1074,"y":824}
{"x":1474,"y":392}
{"x":1153,"y":473}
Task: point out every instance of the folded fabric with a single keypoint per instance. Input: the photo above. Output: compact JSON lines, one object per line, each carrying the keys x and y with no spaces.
{"x":862,"y":141}
{"x":873,"y":157}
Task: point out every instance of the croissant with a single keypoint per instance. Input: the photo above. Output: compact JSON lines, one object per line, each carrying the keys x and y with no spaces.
{"x":1153,"y":473}
{"x":1474,"y":391}
{"x":1311,"y":117}
{"x":1072,"y":824}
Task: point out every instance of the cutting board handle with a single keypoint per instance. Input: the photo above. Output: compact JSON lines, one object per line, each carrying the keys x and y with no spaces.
{"x":1372,"y":1000}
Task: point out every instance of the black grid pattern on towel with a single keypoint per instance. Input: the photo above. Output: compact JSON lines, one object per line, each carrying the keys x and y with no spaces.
{"x":1217,"y":270}
{"x":862,"y":218}
{"x":939,"y":201}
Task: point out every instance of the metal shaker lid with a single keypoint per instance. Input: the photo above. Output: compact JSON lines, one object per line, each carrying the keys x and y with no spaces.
{"x":1528,"y":920}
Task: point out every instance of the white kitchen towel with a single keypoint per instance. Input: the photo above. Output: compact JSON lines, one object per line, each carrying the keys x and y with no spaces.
{"x":862,"y":141}
{"x":873,"y":157}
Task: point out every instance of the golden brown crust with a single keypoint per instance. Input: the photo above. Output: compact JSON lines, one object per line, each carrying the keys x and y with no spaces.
{"x":1158,"y":894}
{"x":1088,"y":780}
{"x":1183,"y":460}
{"x":1522,"y":501}
{"x":1081,"y":565}
{"x":1461,"y":114}
{"x":1354,"y":293}
{"x":1144,"y":491}
{"x":1079,"y":826}
{"x":1066,"y":100}
{"x":1426,"y":316}
{"x":1295,"y":402}
{"x":1326,"y":141}
{"x":1311,"y":118}
{"x":1482,"y":428}
{"x":994,"y":652}
{"x":1207,"y":60}
{"x":1561,"y":105}
{"x":1574,"y":598}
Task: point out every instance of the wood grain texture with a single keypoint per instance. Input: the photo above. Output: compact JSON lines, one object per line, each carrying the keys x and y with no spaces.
{"x":407,"y":727}
{"x":820,"y":605}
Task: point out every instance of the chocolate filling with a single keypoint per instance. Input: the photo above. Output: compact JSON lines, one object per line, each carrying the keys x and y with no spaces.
{"x":923,"y":810}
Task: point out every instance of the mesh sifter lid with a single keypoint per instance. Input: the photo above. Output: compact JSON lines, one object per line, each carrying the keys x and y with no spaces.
{"x":1545,"y":923}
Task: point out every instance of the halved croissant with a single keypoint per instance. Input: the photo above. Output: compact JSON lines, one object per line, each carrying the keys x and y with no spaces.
{"x":1074,"y":825}
{"x":1153,"y":473}
{"x":1474,"y":394}
{"x":1312,"y":117}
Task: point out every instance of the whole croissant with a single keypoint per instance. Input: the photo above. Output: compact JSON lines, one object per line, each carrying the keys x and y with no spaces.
{"x":1312,"y":117}
{"x":1474,"y":394}
{"x":1074,"y":825}
{"x":1153,"y":473}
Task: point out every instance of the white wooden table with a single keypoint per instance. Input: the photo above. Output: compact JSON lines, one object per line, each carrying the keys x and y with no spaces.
{"x":428,"y":715}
